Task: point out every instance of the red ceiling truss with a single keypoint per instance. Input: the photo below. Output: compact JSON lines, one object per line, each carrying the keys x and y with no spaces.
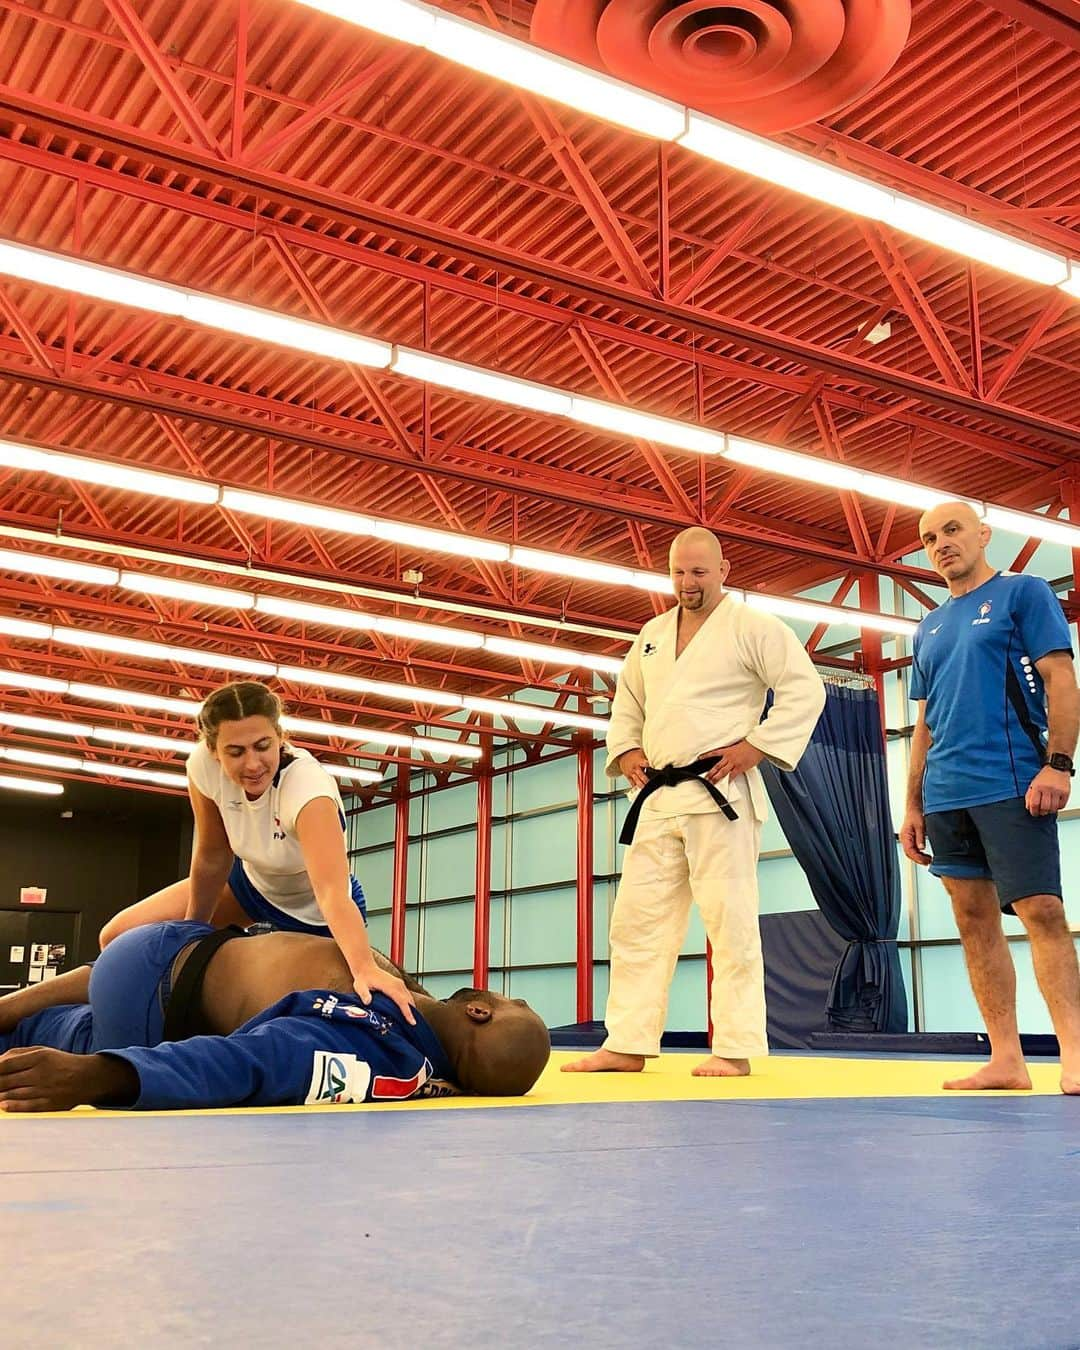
{"x":261,"y":151}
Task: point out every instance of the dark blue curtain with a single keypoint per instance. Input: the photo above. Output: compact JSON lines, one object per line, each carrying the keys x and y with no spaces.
{"x":834,"y":810}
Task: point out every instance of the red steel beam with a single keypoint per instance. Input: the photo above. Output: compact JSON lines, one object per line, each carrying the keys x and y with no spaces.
{"x":585,"y":827}
{"x":370,"y":256}
{"x":107,"y":133}
{"x":482,"y":909}
{"x":401,"y":868}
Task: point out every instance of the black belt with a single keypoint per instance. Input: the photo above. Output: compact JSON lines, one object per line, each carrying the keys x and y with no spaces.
{"x":184,"y":1015}
{"x":669,"y":777}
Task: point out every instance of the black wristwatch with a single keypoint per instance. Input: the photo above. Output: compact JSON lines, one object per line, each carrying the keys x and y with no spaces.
{"x":1062,"y":763}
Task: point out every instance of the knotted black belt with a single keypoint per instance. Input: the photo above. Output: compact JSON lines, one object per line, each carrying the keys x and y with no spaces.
{"x":669,"y":777}
{"x":184,"y":1015}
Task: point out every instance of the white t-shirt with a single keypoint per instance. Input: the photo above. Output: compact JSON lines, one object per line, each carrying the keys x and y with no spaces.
{"x":262,"y":833}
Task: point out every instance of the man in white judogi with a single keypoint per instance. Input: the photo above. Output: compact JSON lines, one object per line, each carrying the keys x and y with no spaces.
{"x":693,"y":687}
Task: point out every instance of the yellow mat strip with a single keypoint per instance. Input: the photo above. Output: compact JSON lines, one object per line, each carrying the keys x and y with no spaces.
{"x":668,"y":1079}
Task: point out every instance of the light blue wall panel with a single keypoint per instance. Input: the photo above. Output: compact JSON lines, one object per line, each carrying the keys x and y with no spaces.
{"x":553,"y":993}
{"x":448,"y":937}
{"x":543,"y":927}
{"x":544,"y":849}
{"x":453,"y":806}
{"x":450,"y":866}
{"x":686,"y":1006}
{"x":783,"y":887}
{"x":376,"y":873}
{"x":949,"y":1004}
{"x":379,"y":931}
{"x":442,"y":986}
{"x":545,"y":784}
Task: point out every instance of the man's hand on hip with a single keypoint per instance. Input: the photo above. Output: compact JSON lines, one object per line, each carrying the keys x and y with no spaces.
{"x":1049,"y":791}
{"x":913,"y":837}
{"x":632,"y":765}
{"x":734,"y":760}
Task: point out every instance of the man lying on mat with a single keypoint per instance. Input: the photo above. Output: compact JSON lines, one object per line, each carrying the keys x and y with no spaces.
{"x":182,"y":1015}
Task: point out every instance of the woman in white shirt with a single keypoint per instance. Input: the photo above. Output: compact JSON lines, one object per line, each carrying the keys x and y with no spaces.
{"x":269,"y":839}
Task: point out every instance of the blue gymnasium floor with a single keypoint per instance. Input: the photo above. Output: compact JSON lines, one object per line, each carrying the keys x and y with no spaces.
{"x":918,"y":1220}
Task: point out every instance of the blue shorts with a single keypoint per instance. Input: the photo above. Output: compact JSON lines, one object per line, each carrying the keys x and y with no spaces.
{"x":1000,"y":842}
{"x":261,"y":910}
{"x":130,"y":983}
{"x":66,"y":1027}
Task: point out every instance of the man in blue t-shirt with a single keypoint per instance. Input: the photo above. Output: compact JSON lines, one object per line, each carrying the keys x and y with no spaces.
{"x":991,"y":763}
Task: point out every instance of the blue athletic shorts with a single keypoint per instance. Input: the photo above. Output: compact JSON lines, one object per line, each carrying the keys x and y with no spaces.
{"x":261,"y":910}
{"x":1001,"y":842}
{"x":130,"y":983}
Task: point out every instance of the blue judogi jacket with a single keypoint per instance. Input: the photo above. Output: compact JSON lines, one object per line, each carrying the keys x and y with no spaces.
{"x":311,"y":1048}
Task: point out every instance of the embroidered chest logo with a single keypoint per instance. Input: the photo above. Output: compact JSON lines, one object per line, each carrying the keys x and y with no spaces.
{"x":279,"y":833}
{"x":648,"y":649}
{"x":984,"y":614}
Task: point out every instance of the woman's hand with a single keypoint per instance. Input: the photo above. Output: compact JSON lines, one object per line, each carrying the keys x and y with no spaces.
{"x":370,"y":978}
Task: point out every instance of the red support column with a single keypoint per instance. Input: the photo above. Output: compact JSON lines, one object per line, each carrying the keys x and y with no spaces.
{"x":585,"y":880}
{"x":870,"y":639}
{"x":482,"y":913}
{"x":401,"y":867}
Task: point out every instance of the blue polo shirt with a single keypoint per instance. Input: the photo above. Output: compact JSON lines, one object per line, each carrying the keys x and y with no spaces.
{"x":974,"y":664}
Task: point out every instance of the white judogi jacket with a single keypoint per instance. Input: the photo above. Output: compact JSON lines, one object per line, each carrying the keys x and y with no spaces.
{"x":676,"y":710}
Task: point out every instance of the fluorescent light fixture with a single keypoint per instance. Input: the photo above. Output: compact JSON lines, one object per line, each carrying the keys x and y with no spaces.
{"x":555,"y":656}
{"x":105,"y":473}
{"x":959,"y":235}
{"x":24,"y":628}
{"x":194,"y":592}
{"x":429,"y":632}
{"x":659,"y":583}
{"x":529,"y":67}
{"x":144,"y":740}
{"x":830,"y":614}
{"x":468,"y":379}
{"x":159,"y":651}
{"x":325,"y":679}
{"x":902,"y":493}
{"x":296,"y":513}
{"x":531,"y":712}
{"x":1033,"y":526}
{"x":100,"y":283}
{"x":39,"y":758}
{"x":406,"y":20}
{"x":447,"y":749}
{"x":337,"y":616}
{"x":133,"y":698}
{"x":38,"y":565}
{"x":266,"y":325}
{"x":647,"y":426}
{"x":411,"y":693}
{"x":51,"y":726}
{"x":136,"y":775}
{"x":442,"y":541}
{"x":786,"y":168}
{"x":22,"y":680}
{"x":564,"y":565}
{"x":31,"y":785}
{"x":348,"y":775}
{"x":789,"y":464}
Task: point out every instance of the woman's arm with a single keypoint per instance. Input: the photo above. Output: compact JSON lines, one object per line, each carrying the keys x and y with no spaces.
{"x":318,"y":828}
{"x":211,"y":857}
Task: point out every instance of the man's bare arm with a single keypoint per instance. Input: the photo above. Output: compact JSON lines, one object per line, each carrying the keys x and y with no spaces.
{"x":74,"y":987}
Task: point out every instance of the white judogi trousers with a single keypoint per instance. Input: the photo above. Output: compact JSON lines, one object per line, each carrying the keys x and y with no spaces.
{"x":673,"y":860}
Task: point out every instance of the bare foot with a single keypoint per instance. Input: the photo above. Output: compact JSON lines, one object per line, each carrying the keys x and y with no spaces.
{"x":606,"y":1061}
{"x":715,"y":1067}
{"x":1002,"y":1077}
{"x":1070,"y":1084}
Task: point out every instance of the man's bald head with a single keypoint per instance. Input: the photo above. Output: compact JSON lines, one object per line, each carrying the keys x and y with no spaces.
{"x":698,"y":571}
{"x":955,"y":540}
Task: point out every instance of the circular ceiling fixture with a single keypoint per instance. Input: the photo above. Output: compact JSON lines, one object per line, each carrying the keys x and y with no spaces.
{"x":767,"y":65}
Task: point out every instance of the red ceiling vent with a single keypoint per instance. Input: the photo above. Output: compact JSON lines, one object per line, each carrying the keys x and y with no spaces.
{"x":768,"y":65}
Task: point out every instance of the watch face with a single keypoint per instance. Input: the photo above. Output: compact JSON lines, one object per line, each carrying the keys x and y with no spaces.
{"x":1061,"y":762}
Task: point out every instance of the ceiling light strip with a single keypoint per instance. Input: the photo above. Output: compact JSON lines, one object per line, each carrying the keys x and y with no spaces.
{"x":525,"y":66}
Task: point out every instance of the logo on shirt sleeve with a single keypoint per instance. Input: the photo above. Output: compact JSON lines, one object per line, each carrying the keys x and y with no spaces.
{"x":648,"y":649}
{"x":336,"y":1079}
{"x":984,"y":614}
